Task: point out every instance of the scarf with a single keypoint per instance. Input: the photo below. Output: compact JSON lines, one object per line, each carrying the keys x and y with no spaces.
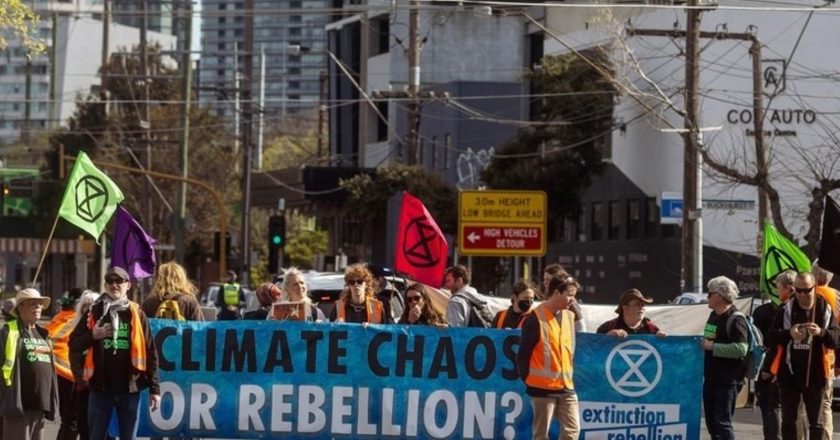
{"x":112,"y":308}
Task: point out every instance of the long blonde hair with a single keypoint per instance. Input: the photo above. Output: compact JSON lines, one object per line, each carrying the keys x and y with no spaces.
{"x":287,"y":275}
{"x":171,"y":279}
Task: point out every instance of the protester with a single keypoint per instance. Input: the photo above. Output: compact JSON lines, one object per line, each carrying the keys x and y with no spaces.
{"x":296,"y":290}
{"x":171,"y":283}
{"x":724,"y":367}
{"x":121,"y":358}
{"x":522,"y":298}
{"x":805,"y":333}
{"x":267,"y":294}
{"x":766,"y":388}
{"x":8,"y":306}
{"x":29,"y":390}
{"x":832,"y":299}
{"x":231,"y":298}
{"x":545,"y":361}
{"x":419,"y":309}
{"x":550,"y":272}
{"x":386,"y":293}
{"x":77,"y":361}
{"x":59,"y":329}
{"x":464,"y":300}
{"x":631,"y":317}
{"x":356,"y":303}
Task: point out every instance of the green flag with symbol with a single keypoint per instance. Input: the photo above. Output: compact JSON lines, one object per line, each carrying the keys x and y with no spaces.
{"x":91,"y":197}
{"x":778,"y":255}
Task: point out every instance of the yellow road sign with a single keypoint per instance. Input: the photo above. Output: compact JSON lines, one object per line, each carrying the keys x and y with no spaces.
{"x":502,"y":223}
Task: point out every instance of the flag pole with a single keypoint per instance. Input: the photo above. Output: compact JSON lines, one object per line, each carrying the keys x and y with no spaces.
{"x":44,"y":253}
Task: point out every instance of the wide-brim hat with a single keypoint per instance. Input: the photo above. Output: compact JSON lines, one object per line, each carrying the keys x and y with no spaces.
{"x":630,"y":295}
{"x":30,"y":294}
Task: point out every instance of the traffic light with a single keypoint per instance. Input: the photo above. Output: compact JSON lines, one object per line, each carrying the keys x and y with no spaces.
{"x":276,"y":241}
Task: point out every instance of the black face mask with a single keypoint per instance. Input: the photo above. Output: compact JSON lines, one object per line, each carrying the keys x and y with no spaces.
{"x":525,"y":304}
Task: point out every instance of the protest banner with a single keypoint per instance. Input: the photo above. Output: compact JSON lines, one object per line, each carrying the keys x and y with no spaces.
{"x":263,"y":379}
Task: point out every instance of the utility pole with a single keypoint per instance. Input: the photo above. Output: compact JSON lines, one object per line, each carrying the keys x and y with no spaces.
{"x":261,"y":124}
{"x":186,"y":61}
{"x":691,"y":201}
{"x":53,"y":47}
{"x":103,"y":77}
{"x":412,"y":129}
{"x":247,"y":116}
{"x":760,"y":149}
{"x":146,"y":119}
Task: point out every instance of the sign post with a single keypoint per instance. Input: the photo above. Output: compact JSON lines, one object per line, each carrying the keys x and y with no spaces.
{"x":502,"y":223}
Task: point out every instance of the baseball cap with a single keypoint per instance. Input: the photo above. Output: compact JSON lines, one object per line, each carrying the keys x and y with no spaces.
{"x":118,"y":271}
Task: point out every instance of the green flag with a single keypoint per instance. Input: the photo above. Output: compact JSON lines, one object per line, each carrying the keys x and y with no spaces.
{"x":778,"y":255}
{"x":90,"y":198}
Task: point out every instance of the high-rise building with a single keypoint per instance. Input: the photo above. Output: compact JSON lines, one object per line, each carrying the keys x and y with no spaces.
{"x":291,"y":35}
{"x":160,"y":14}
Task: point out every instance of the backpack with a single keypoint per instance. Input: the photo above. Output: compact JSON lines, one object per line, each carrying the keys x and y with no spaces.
{"x":169,"y":309}
{"x":756,"y":352}
{"x":479,"y":315}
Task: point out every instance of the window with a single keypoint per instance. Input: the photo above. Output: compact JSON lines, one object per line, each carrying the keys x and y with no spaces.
{"x":634,"y":219}
{"x":222,"y":6}
{"x":614,"y":232}
{"x":220,"y":72}
{"x":222,"y":33}
{"x":651,"y":217}
{"x":597,"y":221}
{"x":220,"y":46}
{"x":294,"y":32}
{"x":447,"y":146}
{"x":237,"y":33}
{"x":435,"y":150}
{"x":382,"y":126}
{"x":222,"y":20}
{"x":580,"y":225}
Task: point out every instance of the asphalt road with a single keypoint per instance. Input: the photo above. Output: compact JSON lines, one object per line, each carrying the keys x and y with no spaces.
{"x":747,"y":426}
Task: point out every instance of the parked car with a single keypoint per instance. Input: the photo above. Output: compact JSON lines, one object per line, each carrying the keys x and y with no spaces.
{"x":691,"y":298}
{"x":326,"y":287}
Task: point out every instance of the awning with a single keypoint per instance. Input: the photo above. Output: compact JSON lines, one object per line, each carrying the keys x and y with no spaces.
{"x":36,"y":245}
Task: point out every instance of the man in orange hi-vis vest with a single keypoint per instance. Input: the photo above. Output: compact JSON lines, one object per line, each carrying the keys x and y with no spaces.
{"x":60,"y":327}
{"x":121,"y":358}
{"x":545,"y":360}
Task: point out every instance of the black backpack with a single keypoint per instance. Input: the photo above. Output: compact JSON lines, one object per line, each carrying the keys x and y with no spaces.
{"x":479,"y":314}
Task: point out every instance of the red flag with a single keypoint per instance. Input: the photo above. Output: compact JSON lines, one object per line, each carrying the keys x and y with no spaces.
{"x":421,"y":247}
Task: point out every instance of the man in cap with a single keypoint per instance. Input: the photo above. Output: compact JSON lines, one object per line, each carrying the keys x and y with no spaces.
{"x":121,"y":359}
{"x":231,"y":298}
{"x":28,"y":391}
{"x":631,"y":317}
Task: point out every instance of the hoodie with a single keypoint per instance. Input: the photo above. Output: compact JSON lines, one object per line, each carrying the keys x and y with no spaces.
{"x":459,"y":307}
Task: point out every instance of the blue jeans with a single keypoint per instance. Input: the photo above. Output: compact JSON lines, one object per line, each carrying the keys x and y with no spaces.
{"x":719,"y":406}
{"x":100,"y":407}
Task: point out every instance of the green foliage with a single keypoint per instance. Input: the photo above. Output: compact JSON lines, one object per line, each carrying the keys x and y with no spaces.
{"x":369,"y":193}
{"x":305,"y":242}
{"x":576,"y":122}
{"x":19,"y":21}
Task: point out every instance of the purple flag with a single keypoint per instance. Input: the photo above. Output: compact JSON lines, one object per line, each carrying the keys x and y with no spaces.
{"x":132,"y":249}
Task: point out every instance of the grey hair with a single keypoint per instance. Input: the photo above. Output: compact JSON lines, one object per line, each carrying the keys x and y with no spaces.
{"x":724,"y":287}
{"x":86,"y":300}
{"x":293,"y":272}
{"x":787,"y":277}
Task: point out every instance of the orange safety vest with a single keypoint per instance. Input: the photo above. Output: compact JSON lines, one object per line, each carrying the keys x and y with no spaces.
{"x":374,"y":311}
{"x":827,"y":353}
{"x":500,"y":324}
{"x":138,"y":343}
{"x":551,"y":366}
{"x":60,"y":329}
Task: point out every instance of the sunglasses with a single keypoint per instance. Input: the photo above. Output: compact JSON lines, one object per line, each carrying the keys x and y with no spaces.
{"x":803,"y":290}
{"x":410,"y":299}
{"x":358,"y":282}
{"x":114,"y":280}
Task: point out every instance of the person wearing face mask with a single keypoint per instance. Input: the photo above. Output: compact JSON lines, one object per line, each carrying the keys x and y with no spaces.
{"x":29,"y":389}
{"x":631,"y":317}
{"x":357,"y":303}
{"x":522,"y":299}
{"x":121,"y":358}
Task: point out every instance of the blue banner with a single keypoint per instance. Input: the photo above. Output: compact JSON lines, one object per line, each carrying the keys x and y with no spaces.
{"x":263,"y":379}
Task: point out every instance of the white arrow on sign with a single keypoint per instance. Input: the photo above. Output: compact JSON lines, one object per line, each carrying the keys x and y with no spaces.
{"x":473,"y":237}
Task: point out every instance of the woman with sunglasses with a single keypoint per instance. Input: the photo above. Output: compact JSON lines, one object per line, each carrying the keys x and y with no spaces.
{"x":357,"y":303}
{"x":418,"y":308}
{"x":522,"y":297}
